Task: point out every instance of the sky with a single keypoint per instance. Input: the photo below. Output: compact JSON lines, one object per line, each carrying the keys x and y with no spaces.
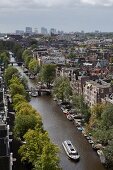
{"x":66,"y":15}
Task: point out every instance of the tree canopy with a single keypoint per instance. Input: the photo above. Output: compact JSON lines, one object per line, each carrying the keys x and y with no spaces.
{"x":9,"y":72}
{"x":62,"y":89}
{"x":39,"y":151}
{"x":47,"y":73}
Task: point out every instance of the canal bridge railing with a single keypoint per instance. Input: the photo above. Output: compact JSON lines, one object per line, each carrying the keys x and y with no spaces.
{"x":39,"y":90}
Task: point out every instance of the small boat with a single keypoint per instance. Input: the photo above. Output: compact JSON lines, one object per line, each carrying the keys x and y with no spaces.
{"x":102,"y":156}
{"x":34,"y":94}
{"x":69,"y":117}
{"x":70,"y":150}
{"x":31,"y":76}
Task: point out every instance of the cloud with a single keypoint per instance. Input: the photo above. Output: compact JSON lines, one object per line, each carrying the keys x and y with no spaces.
{"x":22,"y":4}
{"x":98,"y":2}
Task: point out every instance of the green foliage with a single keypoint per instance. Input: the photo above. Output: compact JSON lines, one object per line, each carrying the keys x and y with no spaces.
{"x":15,"y":47}
{"x":26,"y":52}
{"x":9,"y":73}
{"x":17,"y":50}
{"x":4,"y":59}
{"x":24,"y":81}
{"x":96,"y":112}
{"x":27,"y":56}
{"x":72,"y":56}
{"x":18,"y":99}
{"x":103,"y":129}
{"x":32,"y":41}
{"x":33,"y":66}
{"x":15,"y":79}
{"x":101,"y":135}
{"x":47,"y":73}
{"x":107,"y":117}
{"x":23,"y":123}
{"x":62,"y":89}
{"x":108,"y":151}
{"x":98,"y":109}
{"x":35,"y":141}
{"x":34,"y":46}
{"x":39,"y":151}
{"x":19,"y":55}
{"x":17,"y":89}
{"x":24,"y":108}
{"x":48,"y":159}
{"x":80,"y":106}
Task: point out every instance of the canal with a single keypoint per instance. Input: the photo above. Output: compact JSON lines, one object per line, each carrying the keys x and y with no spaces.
{"x":59,"y":129}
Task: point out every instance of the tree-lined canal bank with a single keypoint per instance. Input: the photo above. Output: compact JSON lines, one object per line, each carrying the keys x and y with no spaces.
{"x":60,"y":129}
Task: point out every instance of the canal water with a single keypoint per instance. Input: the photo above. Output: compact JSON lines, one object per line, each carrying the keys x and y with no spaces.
{"x":59,"y":129}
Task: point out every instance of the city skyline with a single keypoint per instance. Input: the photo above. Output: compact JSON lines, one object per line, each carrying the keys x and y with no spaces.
{"x":66,"y":15}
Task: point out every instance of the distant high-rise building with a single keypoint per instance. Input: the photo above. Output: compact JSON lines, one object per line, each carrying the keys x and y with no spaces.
{"x":60,"y":32}
{"x":36,"y":30}
{"x":53,"y":31}
{"x":19,"y":32}
{"x":28,"y":30}
{"x":44,"y":31}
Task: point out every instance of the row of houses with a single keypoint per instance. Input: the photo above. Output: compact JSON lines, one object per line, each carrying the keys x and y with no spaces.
{"x":93,"y":88}
{"x":89,"y":71}
{"x":6,"y":156}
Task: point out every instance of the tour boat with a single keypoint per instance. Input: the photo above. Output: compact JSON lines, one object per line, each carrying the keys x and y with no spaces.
{"x":70,"y":150}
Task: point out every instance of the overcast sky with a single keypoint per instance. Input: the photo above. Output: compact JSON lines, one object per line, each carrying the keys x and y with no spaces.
{"x":67,"y":15}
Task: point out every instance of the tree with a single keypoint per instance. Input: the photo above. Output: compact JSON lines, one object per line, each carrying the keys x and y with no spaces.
{"x":96,"y":112}
{"x":108,"y":151}
{"x":17,"y":89}
{"x":101,"y":134}
{"x":49,"y":159}
{"x":24,"y":108}
{"x":18,"y":99}
{"x":81,"y":106}
{"x":98,"y":109}
{"x":23,"y":123}
{"x":24,"y":81}
{"x":47,"y":74}
{"x":4,"y":58}
{"x":39,"y":151}
{"x":9,"y":72}
{"x":19,"y":55}
{"x":26,"y":53}
{"x":33,"y":66}
{"x":27,"y":56}
{"x":107,"y":117}
{"x":103,"y":128}
{"x":72,"y":56}
{"x":35,"y":141}
{"x":62,"y":89}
